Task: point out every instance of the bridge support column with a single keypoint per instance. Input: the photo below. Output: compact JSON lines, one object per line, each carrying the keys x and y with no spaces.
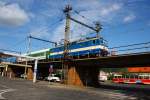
{"x":29,"y":74}
{"x":83,"y":76}
{"x":73,"y":77}
{"x":9,"y":72}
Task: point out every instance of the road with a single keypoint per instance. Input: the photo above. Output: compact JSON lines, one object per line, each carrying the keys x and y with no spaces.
{"x":25,"y":90}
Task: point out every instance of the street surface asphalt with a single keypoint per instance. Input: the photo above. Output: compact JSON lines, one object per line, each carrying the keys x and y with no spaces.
{"x":19,"y":89}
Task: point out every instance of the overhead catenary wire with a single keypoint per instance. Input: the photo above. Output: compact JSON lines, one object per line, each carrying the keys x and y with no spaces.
{"x":14,"y":46}
{"x":52,"y":25}
{"x":134,"y":48}
{"x":78,"y":13}
{"x":19,"y":43}
{"x":10,"y":51}
{"x":144,"y":43}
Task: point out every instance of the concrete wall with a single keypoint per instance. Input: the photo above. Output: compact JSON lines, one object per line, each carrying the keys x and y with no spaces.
{"x":73,"y":77}
{"x":14,"y":71}
{"x":29,"y":74}
{"x":83,"y":75}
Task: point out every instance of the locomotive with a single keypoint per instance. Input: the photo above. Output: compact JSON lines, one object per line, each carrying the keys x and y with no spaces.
{"x":89,"y":46}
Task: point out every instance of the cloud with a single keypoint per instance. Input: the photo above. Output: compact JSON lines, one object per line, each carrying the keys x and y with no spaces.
{"x":12,"y":15}
{"x":129,"y":18}
{"x":110,"y":9}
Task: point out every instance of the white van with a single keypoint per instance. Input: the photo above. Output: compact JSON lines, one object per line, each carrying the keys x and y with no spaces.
{"x":53,"y":78}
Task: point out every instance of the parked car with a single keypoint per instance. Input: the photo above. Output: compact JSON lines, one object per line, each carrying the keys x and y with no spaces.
{"x":53,"y":78}
{"x":23,"y":76}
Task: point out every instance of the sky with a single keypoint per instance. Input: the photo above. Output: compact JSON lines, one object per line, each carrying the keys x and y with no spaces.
{"x":123,"y":21}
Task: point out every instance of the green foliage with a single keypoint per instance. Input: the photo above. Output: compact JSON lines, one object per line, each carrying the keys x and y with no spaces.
{"x":110,"y":77}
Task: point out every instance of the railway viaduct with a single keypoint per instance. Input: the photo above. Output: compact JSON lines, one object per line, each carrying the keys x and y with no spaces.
{"x":82,"y":72}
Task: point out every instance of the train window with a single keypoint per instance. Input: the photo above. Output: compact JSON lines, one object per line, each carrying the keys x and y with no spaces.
{"x":81,"y":44}
{"x":101,"y":41}
{"x":73,"y":43}
{"x":93,"y":41}
{"x":97,"y":41}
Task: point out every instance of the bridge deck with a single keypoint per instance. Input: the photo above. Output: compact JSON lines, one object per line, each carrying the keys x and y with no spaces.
{"x":135,"y":59}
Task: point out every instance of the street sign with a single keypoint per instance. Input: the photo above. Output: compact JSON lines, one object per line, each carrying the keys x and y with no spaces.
{"x":51,"y":69}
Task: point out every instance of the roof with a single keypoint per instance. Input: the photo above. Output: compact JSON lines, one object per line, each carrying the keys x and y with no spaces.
{"x":12,"y":64}
{"x":3,"y":55}
{"x":39,"y":51}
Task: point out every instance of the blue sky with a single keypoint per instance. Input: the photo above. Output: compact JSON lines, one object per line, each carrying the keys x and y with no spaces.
{"x":124,"y":21}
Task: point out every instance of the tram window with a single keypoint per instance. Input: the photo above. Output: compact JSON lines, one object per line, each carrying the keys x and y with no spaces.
{"x":118,"y":76}
{"x":136,"y":76}
{"x":127,"y":76}
{"x":146,"y":77}
{"x":141,"y":77}
{"x":131,"y":76}
{"x":115,"y":77}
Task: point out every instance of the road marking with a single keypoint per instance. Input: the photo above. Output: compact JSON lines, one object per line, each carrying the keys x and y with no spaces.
{"x":119,"y":95}
{"x":4,"y":86}
{"x":4,"y":91}
{"x":114,"y":95}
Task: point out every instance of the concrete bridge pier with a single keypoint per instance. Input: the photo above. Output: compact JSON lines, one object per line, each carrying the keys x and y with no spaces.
{"x":83,"y":75}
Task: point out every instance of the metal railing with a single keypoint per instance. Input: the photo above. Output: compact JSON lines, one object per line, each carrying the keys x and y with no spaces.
{"x":130,"y":49}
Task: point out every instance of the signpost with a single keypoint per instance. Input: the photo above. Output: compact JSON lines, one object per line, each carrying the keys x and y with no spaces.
{"x":50,"y":69}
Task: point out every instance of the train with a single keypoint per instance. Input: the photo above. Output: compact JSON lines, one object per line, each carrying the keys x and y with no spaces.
{"x":89,"y":47}
{"x":9,"y":59}
{"x":41,"y":54}
{"x":93,"y":46}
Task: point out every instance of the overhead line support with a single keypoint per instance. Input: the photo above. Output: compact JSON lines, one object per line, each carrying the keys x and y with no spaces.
{"x":43,"y":40}
{"x":96,"y":29}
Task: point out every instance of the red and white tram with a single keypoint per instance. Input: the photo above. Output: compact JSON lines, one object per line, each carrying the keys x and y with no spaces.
{"x":143,"y":78}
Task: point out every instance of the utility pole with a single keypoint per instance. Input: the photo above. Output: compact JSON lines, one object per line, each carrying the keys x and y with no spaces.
{"x":67,"y":10}
{"x":28,"y":52}
{"x":97,"y":28}
{"x":35,"y":70}
{"x":36,"y":60}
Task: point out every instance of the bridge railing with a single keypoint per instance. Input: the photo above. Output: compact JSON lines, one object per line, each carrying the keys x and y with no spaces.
{"x":130,"y":49}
